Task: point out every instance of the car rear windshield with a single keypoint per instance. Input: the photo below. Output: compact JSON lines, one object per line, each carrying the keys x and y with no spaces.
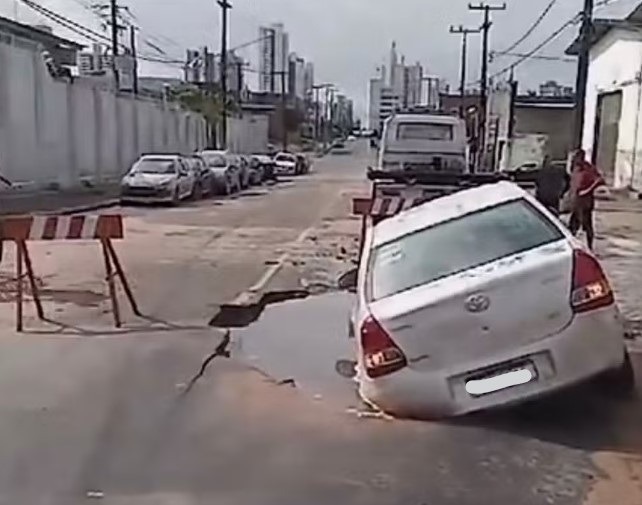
{"x":154,"y":166}
{"x":424,"y":131}
{"x":285,"y":157}
{"x":215,"y":160}
{"x":457,"y":245}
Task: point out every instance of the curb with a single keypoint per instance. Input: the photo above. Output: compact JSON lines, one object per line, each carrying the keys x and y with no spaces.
{"x":86,"y":208}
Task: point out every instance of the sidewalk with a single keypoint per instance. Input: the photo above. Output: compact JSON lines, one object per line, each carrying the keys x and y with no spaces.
{"x":619,"y":246}
{"x":78,"y":200}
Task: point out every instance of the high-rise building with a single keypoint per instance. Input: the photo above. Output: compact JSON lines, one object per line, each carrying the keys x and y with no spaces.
{"x":274,"y":49}
{"x":383,"y":100}
{"x":308,"y":78}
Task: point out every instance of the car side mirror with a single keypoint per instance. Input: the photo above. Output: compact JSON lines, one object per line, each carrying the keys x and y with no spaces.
{"x":348,"y":281}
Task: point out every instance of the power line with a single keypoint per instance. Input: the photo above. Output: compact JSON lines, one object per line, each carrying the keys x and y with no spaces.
{"x":541,"y":45}
{"x":532,"y":28}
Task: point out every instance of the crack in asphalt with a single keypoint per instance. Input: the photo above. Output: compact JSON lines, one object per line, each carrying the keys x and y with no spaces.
{"x":220,"y":351}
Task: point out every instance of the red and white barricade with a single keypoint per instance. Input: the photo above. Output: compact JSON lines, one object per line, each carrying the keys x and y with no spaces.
{"x":104,"y":228}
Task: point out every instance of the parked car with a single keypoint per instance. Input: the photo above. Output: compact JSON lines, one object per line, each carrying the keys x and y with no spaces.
{"x":158,"y":178}
{"x":243,"y":162}
{"x":286,"y":163}
{"x":205,"y":183}
{"x":267,"y":165}
{"x":303,"y":163}
{"x":481,"y":299}
{"x":225,"y":170}
{"x":257,"y":173}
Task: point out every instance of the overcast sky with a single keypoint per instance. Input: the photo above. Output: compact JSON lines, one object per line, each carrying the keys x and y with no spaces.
{"x":348,"y":39}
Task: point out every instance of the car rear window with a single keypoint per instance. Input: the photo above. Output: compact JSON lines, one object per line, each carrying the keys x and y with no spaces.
{"x":424,"y":131}
{"x":457,"y":245}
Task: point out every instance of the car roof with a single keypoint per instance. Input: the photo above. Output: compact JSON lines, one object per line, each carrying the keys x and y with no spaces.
{"x":446,"y":208}
{"x":214,"y":151}
{"x":425,"y":118}
{"x":160,"y":156}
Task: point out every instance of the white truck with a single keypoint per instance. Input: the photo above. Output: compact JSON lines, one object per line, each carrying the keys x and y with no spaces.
{"x":423,"y":143}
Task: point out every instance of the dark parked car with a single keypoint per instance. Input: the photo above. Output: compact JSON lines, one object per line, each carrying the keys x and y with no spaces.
{"x":303,"y":164}
{"x":227,"y":178}
{"x":266,"y":164}
{"x":205,"y":184}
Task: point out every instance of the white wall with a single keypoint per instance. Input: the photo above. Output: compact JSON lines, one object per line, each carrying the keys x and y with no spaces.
{"x":616,"y":62}
{"x":248,"y":134}
{"x":56,"y":133}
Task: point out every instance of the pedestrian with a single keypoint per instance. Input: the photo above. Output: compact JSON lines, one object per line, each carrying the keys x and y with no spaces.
{"x":551,"y":183}
{"x":585,"y":179}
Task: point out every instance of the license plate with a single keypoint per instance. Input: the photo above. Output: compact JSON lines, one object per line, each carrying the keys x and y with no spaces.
{"x":504,"y":379}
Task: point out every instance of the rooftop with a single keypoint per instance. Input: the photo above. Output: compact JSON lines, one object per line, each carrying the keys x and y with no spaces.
{"x":37,"y":34}
{"x":602,"y":26}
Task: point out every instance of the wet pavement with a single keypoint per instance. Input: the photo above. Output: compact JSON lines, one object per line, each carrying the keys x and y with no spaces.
{"x":298,"y":343}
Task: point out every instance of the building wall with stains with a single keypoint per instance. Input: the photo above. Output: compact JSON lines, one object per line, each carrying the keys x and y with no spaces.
{"x":615,"y":65}
{"x":55,"y":133}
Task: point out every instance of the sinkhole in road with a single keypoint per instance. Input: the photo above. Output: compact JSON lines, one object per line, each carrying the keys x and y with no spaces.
{"x":303,"y":342}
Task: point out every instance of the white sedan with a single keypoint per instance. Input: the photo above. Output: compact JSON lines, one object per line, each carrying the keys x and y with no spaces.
{"x":479,"y":299}
{"x":158,"y":178}
{"x":286,"y":163}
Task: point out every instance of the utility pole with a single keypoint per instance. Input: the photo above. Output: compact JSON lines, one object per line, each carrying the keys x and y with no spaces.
{"x":582,"y":72}
{"x":464,"y":32}
{"x":325,"y":117}
{"x":225,"y":6}
{"x":483,"y":98}
{"x":316,"y":113}
{"x":284,"y":123}
{"x":272,"y":60}
{"x":132,"y":45}
{"x":113,"y":15}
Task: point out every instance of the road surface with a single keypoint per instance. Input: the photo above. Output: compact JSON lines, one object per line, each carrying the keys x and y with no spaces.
{"x":169,"y":410}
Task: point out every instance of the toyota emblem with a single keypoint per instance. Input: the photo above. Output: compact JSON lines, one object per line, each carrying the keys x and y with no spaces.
{"x":477,"y":303}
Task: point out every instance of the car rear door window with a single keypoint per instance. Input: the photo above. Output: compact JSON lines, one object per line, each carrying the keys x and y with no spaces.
{"x":458,"y":245}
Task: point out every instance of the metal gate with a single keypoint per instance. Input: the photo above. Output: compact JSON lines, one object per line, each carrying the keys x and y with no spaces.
{"x":607,"y":131}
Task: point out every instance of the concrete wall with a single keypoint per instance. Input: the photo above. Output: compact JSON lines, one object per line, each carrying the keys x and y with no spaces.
{"x":616,"y":62}
{"x":248,"y":134}
{"x":53,"y":133}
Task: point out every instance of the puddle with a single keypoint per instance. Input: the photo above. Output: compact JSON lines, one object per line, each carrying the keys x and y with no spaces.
{"x":303,"y":343}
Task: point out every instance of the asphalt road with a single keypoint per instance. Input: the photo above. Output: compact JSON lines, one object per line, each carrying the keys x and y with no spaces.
{"x":126,"y":418}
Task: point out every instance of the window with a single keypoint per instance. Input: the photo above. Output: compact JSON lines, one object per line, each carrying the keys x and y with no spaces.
{"x":154,"y":166}
{"x":215,"y":160}
{"x":424,"y":131}
{"x":457,"y":245}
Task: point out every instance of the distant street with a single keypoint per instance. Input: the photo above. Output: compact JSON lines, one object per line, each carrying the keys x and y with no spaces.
{"x":90,"y":413}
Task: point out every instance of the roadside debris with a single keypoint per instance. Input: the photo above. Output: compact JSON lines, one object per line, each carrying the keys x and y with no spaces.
{"x":286,"y":382}
{"x":95,"y":494}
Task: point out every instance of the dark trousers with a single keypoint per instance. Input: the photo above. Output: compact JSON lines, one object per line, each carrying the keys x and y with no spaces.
{"x":582,"y":217}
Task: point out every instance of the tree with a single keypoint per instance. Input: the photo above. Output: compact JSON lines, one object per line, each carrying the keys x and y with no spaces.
{"x":208,"y":103}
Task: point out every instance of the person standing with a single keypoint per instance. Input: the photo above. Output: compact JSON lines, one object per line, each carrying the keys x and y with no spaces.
{"x":585,"y":179}
{"x":551,"y":183}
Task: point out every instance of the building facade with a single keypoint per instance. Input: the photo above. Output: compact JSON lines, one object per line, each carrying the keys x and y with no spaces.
{"x":612,"y":134}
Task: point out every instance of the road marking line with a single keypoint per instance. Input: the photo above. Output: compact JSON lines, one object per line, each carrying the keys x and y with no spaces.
{"x":246,"y":296}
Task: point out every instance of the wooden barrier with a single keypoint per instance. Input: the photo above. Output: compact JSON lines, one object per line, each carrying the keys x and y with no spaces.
{"x":104,"y":228}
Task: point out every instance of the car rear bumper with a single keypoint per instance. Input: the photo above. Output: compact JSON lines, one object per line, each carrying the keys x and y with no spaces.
{"x":591,"y":344}
{"x":146,"y":199}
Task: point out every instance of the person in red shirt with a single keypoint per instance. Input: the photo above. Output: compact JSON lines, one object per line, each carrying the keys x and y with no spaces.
{"x":585,"y":179}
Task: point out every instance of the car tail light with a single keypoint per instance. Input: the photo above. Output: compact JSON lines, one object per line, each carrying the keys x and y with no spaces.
{"x":591,"y":289}
{"x":381,"y":355}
